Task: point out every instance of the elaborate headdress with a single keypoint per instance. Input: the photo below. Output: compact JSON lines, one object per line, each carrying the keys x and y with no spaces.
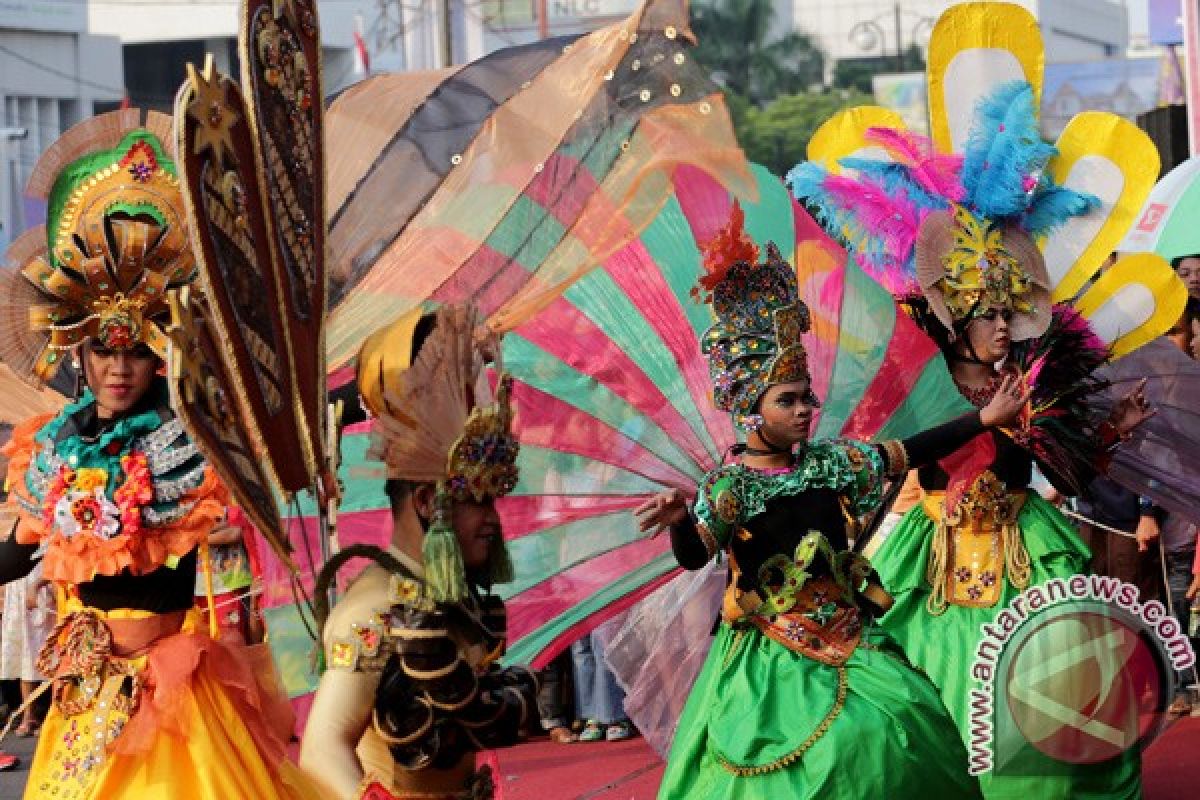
{"x":433,"y":425}
{"x":756,"y":341}
{"x":114,"y":242}
{"x":960,"y":227}
{"x":985,"y":213}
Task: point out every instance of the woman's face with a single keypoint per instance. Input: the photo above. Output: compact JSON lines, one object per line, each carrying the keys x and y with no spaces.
{"x":118,"y":378}
{"x":787,"y":412}
{"x":1189,"y":272}
{"x":989,"y":336}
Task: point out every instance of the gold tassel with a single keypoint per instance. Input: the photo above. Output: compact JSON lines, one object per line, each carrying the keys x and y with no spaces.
{"x":1016,"y":557}
{"x":935,"y":571}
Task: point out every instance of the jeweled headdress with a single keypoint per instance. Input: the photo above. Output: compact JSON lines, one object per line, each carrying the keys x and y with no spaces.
{"x":437,"y":422}
{"x":114,"y":242}
{"x":756,"y":341}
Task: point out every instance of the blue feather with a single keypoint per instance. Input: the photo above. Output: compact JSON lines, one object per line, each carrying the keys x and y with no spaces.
{"x":1004,"y":149}
{"x":1054,"y":205}
{"x":895,"y":178}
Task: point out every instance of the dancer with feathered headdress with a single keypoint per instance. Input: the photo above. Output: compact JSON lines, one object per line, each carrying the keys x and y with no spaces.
{"x":981,"y":231}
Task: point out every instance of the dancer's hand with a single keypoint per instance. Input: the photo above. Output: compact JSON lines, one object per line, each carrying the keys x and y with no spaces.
{"x":1147,"y":532}
{"x":1006,"y":405}
{"x":1132,"y":411}
{"x":662,"y":511}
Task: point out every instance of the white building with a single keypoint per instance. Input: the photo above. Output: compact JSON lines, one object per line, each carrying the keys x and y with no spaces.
{"x":160,"y":38}
{"x":53,"y":73}
{"x":1073,"y":30}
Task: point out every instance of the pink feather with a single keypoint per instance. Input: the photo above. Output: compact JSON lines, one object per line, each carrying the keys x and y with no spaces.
{"x":936,"y":173}
{"x":891,"y":220}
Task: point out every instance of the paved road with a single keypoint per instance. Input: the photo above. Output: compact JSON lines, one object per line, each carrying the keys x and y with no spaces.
{"x":12,"y":783}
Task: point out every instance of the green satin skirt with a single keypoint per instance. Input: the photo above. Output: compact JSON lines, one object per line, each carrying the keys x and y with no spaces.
{"x":943,"y":646}
{"x":758,"y":724}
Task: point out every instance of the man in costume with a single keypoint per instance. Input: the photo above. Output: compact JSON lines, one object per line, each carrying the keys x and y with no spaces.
{"x":114,"y":499}
{"x":411,"y":689}
{"x":799,"y":672}
{"x":981,"y":230}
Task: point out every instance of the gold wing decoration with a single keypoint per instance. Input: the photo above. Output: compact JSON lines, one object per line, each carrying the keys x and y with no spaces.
{"x":201,"y":395}
{"x":251,"y":173}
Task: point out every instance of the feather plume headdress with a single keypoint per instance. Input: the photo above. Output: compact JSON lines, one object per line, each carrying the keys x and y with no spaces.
{"x":114,"y":243}
{"x":756,"y":341}
{"x":961,"y":227}
{"x":438,"y":422}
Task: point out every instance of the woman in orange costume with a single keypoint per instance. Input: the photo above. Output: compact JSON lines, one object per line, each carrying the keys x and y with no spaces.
{"x":116,"y":502}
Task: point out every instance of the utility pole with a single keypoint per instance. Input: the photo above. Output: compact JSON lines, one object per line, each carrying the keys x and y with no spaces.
{"x":6,"y":182}
{"x":445,"y":35}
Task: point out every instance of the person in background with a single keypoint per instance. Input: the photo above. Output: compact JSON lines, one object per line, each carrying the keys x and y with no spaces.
{"x":1132,"y":560}
{"x":28,"y":619}
{"x":554,"y":701}
{"x":599,"y":699}
{"x":231,"y":565}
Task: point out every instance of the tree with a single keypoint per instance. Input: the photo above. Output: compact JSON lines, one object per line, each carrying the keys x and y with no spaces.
{"x":734,"y":44}
{"x":777,"y":136}
{"x":856,"y":73}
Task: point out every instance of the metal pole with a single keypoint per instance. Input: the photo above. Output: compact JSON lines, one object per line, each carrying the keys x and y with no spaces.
{"x":447,"y":59}
{"x":543,"y":19}
{"x":899,"y":41}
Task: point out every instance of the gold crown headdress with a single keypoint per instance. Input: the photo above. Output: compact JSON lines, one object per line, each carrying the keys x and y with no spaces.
{"x":115,"y":241}
{"x":433,"y":425}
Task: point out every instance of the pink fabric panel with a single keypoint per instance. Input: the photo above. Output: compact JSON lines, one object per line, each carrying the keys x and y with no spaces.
{"x":634,"y":271}
{"x":903,"y":363}
{"x":526,"y":514}
{"x":548,"y":422}
{"x":557,"y":595}
{"x":588,"y":624}
{"x":572,"y":338}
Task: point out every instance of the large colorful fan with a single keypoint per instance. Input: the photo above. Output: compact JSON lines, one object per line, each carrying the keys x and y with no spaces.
{"x":500,"y":181}
{"x":613,"y":405}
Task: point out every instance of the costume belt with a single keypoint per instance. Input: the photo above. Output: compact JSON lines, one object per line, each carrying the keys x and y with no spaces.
{"x":817,"y":616}
{"x":88,"y":653}
{"x":977,"y":545}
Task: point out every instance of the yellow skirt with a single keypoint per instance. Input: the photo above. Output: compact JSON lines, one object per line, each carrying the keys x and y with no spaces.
{"x":196,"y":733}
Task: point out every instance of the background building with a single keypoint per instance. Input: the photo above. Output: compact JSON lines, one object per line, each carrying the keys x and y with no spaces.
{"x":53,"y":73}
{"x":1073,"y":30}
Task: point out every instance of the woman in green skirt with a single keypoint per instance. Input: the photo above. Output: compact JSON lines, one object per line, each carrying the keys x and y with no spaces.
{"x":801,"y":696}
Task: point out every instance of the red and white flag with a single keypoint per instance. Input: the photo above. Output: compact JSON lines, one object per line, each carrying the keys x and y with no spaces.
{"x":362,"y":59}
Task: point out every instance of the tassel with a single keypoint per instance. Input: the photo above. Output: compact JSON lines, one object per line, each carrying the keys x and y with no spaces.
{"x":1016,"y":557}
{"x":445,"y":575}
{"x":935,"y":571}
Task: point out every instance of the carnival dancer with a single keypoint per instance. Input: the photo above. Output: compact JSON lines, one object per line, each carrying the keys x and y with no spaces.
{"x":799,"y":673}
{"x":115,"y":501}
{"x":412,"y":689}
{"x":980,"y":230}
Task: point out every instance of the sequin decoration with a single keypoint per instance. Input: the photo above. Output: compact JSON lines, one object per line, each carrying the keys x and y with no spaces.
{"x":757,"y":339}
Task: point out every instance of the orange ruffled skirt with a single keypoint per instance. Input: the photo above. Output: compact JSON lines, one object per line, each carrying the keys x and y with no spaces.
{"x":208,"y":724}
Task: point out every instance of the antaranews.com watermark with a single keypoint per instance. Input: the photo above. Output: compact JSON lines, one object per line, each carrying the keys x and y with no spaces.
{"x":1078,"y":662}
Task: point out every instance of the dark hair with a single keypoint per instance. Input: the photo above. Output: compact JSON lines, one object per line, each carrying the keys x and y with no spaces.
{"x":397,"y":490}
{"x":1177,"y":260}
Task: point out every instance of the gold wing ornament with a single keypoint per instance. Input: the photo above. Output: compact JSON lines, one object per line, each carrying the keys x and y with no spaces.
{"x":252,"y":177}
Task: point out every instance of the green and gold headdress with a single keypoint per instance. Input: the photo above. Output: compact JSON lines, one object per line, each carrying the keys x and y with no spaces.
{"x":114,"y":243}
